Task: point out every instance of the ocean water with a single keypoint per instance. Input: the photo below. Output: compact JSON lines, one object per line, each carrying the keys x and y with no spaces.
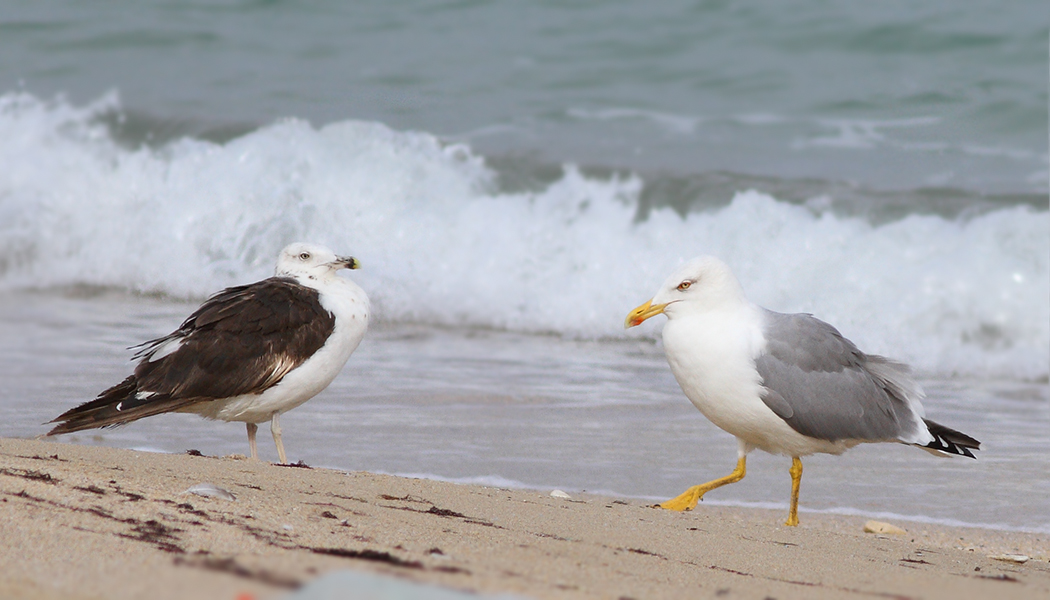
{"x":514,"y":180}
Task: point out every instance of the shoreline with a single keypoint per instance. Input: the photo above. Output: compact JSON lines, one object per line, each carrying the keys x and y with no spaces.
{"x":98,"y":522}
{"x":913,"y":522}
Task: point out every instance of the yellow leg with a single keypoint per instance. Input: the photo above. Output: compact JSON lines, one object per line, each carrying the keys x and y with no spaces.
{"x":689,"y":498}
{"x":796,"y":481}
{"x":252,"y":428}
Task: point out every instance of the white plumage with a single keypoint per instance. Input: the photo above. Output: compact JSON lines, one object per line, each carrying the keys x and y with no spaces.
{"x":249,"y":353}
{"x":786,"y":384}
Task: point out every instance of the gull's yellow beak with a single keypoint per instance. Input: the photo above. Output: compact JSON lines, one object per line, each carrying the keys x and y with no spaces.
{"x":643,"y":312}
{"x":347,"y":262}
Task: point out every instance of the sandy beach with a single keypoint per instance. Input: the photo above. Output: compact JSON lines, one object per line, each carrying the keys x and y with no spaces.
{"x":82,"y":522}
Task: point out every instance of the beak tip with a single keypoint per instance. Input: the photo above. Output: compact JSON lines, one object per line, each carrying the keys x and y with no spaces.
{"x":639,"y":315}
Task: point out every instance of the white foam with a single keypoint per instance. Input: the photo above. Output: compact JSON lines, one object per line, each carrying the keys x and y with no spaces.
{"x":679,"y":124}
{"x":439,"y":245}
{"x":861,"y":133}
{"x":494,"y":481}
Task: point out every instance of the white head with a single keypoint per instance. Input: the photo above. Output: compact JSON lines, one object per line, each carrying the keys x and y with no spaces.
{"x":311,"y":260}
{"x":702,"y":284}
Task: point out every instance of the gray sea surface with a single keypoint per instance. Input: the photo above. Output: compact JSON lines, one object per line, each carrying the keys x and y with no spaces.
{"x":789,"y":97}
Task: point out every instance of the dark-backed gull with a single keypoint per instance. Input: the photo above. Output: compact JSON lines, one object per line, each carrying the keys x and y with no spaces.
{"x":788,"y":384}
{"x":249,"y":353}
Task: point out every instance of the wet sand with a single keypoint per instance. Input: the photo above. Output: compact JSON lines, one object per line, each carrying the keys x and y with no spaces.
{"x":80,"y":522}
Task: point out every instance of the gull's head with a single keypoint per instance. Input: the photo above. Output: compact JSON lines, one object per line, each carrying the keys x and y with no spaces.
{"x":702,"y":284}
{"x":311,"y":260}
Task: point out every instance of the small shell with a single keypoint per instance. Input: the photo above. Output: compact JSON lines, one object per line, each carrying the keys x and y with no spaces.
{"x":1014,"y":558}
{"x":210,"y":490}
{"x":560,"y":494}
{"x":884,"y":528}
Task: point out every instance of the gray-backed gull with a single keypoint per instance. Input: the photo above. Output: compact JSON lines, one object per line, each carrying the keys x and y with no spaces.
{"x":249,"y":353}
{"x":788,"y":384}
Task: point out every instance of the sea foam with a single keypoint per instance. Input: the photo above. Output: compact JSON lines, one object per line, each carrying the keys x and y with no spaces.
{"x":442,"y":244}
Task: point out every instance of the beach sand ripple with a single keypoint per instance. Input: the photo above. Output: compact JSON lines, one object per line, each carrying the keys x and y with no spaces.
{"x":82,"y":522}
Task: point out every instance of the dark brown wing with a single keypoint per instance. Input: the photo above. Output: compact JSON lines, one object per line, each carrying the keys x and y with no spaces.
{"x":242,"y":340}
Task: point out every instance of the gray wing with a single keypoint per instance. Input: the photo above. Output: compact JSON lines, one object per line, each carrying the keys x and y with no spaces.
{"x":826,"y":388}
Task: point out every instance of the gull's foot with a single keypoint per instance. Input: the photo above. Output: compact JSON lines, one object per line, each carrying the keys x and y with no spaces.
{"x":687,"y":501}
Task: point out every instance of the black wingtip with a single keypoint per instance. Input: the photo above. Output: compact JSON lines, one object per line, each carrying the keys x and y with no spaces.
{"x":950,"y":441}
{"x":118,"y":405}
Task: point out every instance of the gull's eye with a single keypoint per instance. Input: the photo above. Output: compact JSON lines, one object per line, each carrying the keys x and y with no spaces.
{"x":684,"y":286}
{"x":304,"y":256}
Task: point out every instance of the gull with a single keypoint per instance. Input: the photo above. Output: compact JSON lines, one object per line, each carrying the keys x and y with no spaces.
{"x":788,"y":384}
{"x":249,"y":353}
